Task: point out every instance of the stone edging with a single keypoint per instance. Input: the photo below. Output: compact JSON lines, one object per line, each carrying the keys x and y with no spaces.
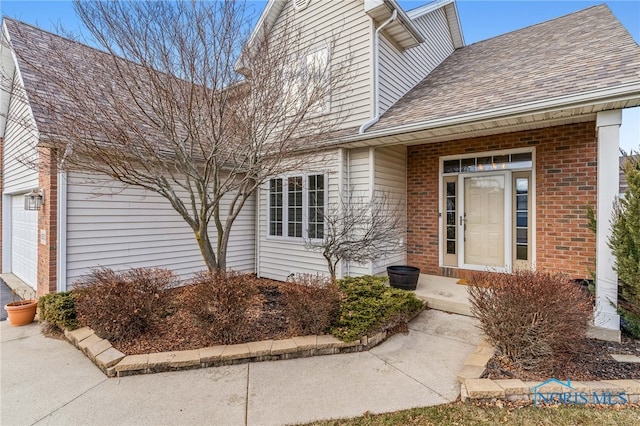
{"x":114,"y":363}
{"x":472,"y":387}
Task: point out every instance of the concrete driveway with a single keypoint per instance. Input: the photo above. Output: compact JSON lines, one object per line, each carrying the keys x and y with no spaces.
{"x":48,"y":381}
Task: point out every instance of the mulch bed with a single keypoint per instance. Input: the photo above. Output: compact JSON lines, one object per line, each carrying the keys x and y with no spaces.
{"x":181,"y":330}
{"x":592,"y":361}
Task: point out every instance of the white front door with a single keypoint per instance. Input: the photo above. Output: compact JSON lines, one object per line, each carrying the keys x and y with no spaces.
{"x":24,"y":241}
{"x":484,"y":220}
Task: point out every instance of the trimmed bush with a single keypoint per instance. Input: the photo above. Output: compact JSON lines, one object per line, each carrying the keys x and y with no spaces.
{"x":58,"y":310}
{"x":311,"y":304}
{"x":530,"y":316}
{"x":368,"y":306}
{"x":122,"y":305}
{"x":222,"y":301}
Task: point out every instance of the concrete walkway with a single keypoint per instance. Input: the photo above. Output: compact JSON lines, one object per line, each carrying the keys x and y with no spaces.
{"x":48,"y":381}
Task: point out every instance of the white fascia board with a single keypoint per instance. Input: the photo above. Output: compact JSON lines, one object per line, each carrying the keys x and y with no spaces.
{"x":272,"y":7}
{"x":427,"y":8}
{"x":456,"y":31}
{"x":18,"y":74}
{"x":624,"y":92}
{"x":269,"y":15}
{"x":7,"y":67}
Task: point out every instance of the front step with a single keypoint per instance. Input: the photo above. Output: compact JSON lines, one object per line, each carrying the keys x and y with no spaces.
{"x":443,"y":294}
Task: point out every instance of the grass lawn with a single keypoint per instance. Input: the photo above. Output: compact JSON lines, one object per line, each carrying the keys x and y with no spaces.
{"x":469,"y":414}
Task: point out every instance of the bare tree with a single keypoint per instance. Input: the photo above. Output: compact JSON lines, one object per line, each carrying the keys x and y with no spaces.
{"x":178,"y":101}
{"x":360,"y":229}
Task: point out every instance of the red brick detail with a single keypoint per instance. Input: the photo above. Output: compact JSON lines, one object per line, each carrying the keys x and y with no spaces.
{"x":47,"y":222}
{"x":566,"y":183}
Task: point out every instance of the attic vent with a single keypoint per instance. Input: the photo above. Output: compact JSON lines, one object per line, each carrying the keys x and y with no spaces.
{"x":301,"y":4}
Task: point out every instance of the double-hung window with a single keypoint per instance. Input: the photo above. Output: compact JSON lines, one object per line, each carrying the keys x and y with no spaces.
{"x":296,"y":206}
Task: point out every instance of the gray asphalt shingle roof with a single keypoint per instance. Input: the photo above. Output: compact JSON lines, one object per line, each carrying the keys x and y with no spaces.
{"x":576,"y":53}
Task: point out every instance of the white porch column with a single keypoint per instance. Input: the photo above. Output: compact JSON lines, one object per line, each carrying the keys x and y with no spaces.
{"x":608,"y":128}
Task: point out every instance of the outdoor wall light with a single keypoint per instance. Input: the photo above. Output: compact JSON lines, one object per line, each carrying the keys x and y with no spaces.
{"x":34,"y":200}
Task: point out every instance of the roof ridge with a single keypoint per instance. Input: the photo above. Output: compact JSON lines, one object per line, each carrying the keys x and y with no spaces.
{"x":528,"y":27}
{"x":51,"y":33}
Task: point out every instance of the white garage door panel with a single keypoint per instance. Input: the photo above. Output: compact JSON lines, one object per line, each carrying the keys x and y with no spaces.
{"x":24,"y":241}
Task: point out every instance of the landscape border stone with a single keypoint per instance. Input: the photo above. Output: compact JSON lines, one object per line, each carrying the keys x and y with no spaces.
{"x":474,"y":388}
{"x":114,"y":363}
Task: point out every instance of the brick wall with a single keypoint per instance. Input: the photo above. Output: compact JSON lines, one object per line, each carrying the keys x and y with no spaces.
{"x":566,"y":175}
{"x":47,"y":222}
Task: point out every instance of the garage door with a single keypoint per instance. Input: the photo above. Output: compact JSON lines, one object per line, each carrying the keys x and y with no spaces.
{"x":24,"y":241}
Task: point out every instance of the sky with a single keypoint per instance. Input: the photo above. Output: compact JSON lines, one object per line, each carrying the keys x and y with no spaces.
{"x":479,"y":19}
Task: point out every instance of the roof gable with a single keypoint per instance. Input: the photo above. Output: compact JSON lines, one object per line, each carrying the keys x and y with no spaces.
{"x":577,"y":53}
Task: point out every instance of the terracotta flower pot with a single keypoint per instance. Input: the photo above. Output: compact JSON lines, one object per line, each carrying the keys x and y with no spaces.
{"x":21,"y":312}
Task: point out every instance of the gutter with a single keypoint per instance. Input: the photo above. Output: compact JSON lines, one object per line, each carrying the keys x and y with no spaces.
{"x":376,"y":73}
{"x":625,"y":92}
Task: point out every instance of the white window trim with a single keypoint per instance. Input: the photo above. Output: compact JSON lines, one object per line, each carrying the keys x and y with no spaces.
{"x":305,"y":206}
{"x":326,"y":107}
{"x":534,"y":191}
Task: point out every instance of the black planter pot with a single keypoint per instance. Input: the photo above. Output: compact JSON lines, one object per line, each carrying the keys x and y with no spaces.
{"x":404,"y":277}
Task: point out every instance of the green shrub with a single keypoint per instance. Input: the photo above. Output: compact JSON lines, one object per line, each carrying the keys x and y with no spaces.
{"x":368,"y":306}
{"x":122,"y":305}
{"x":58,"y":310}
{"x":530,"y":316}
{"x":311,"y":304}
{"x":222,"y":302}
{"x":625,"y":244}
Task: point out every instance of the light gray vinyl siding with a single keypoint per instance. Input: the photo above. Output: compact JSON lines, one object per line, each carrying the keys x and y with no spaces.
{"x":279,"y":257}
{"x":346,"y":22}
{"x":359,"y":183}
{"x":391,"y":177}
{"x":111,"y":225}
{"x":401,"y":71}
{"x":358,"y":171}
{"x":19,"y":170}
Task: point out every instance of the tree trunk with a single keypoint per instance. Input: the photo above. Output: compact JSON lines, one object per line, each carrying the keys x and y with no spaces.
{"x":209,"y":256}
{"x":223,"y":243}
{"x":332,"y":267}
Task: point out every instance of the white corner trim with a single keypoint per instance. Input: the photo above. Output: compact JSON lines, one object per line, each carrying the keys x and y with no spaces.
{"x":6,"y":233}
{"x":61,"y":249}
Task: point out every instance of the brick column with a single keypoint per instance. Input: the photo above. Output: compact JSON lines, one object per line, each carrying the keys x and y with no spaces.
{"x":608,"y":126}
{"x":47,"y":222}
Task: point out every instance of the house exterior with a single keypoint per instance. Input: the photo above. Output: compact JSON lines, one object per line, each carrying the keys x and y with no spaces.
{"x":497,"y":150}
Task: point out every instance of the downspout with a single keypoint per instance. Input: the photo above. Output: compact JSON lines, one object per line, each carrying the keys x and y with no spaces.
{"x":348,"y":264}
{"x":376,"y":73}
{"x":256,"y":233}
